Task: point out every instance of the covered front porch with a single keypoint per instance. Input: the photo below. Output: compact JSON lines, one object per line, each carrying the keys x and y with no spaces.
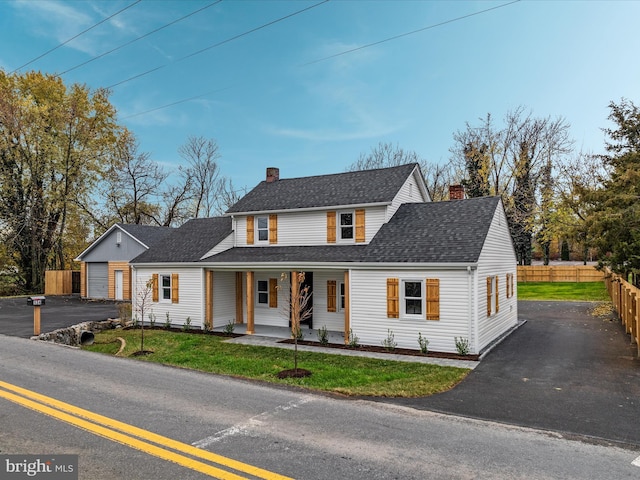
{"x":261,"y":302}
{"x":285,"y":332}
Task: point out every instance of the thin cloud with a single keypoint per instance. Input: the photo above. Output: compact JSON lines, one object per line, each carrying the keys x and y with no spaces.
{"x":56,"y":19}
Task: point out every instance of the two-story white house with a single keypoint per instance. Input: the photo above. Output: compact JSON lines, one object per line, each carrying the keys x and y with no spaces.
{"x":378,"y":256}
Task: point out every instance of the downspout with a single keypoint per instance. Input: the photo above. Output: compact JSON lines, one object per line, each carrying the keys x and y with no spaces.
{"x":473,"y":311}
{"x":470,"y":308}
{"x":233,"y":229}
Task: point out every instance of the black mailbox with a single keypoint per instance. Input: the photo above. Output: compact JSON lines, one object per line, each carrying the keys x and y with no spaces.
{"x":36,"y":301}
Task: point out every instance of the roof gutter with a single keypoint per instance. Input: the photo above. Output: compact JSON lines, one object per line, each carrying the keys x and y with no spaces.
{"x":313,"y":265}
{"x":310,"y":209}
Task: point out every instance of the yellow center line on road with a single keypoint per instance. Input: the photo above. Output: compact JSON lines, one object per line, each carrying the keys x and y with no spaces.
{"x":98,"y":424}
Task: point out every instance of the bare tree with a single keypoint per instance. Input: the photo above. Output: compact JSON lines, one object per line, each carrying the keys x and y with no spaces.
{"x":227,"y":195}
{"x":133,"y":184}
{"x":296,"y":309}
{"x":143,"y":301}
{"x":437,"y":177}
{"x":202,"y":155}
{"x":509,"y":161}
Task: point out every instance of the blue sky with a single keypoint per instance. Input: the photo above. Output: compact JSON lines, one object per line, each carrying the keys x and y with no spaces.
{"x":268,"y":101}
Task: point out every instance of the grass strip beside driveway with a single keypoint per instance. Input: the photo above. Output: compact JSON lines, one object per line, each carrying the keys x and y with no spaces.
{"x":566,"y":291}
{"x":331,"y":373}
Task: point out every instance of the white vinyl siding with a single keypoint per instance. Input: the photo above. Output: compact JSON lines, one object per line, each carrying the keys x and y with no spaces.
{"x":191,"y":294}
{"x":496,"y":260}
{"x":263,"y":313}
{"x":225,"y":244}
{"x":369,"y":309}
{"x":310,"y":228}
{"x":224,"y":299}
{"x":409,"y":193}
{"x":334,"y":321}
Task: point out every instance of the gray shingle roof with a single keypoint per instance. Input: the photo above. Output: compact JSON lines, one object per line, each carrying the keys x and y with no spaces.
{"x":147,"y":234}
{"x":433,"y":232}
{"x":350,"y":188}
{"x":189,"y":242}
{"x":274,"y":254}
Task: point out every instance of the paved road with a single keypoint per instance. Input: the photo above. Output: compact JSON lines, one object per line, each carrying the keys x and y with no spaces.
{"x":288,"y":431}
{"x":564,"y":370}
{"x":16,"y":316}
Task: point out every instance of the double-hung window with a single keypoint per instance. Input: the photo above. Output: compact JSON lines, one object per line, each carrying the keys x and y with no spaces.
{"x":341,"y":297}
{"x":263,"y":292}
{"x":413,"y":299}
{"x":263,"y":229}
{"x":165,"y":286}
{"x":346,"y":227}
{"x":267,"y":292}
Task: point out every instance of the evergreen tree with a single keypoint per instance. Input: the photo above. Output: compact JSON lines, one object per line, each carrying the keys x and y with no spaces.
{"x":614,"y":219}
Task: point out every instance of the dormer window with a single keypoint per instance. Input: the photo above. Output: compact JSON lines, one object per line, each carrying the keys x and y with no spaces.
{"x":263,"y":229}
{"x":346,"y":226}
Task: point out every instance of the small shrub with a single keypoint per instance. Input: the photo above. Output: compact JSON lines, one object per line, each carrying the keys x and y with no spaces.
{"x":229,"y":327}
{"x":389,"y":343}
{"x":462,"y":345}
{"x":424,"y":343}
{"x":152,"y":319}
{"x":207,"y":327}
{"x":124,"y":311}
{"x":167,"y":322}
{"x":135,"y":321}
{"x":323,"y":335}
{"x":354,"y":341}
{"x":187,"y":324}
{"x":298,"y":334}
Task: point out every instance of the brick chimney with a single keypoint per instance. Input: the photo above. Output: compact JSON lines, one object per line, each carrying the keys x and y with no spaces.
{"x":273,"y":174}
{"x":456,"y":192}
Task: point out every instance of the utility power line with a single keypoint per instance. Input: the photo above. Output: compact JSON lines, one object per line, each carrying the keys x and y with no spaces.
{"x":139,"y":38}
{"x":395,"y":37}
{"x":77,"y":35}
{"x":177,"y":102}
{"x":248,"y":32}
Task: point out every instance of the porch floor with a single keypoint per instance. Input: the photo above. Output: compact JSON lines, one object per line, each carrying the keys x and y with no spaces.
{"x":268,"y":336}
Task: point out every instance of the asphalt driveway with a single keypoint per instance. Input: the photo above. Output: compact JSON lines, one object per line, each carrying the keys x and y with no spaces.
{"x":16,"y":316}
{"x":564,"y":370}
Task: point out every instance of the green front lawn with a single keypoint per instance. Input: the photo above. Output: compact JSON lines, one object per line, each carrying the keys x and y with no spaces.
{"x":585,"y":291}
{"x":331,"y":373}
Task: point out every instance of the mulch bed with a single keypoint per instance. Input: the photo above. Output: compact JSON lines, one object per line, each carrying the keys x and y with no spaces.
{"x":294,"y":373}
{"x":361,"y":348}
{"x":376,"y":349}
{"x":195,"y":331}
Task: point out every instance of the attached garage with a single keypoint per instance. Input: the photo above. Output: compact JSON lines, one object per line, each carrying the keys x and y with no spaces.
{"x":104,"y":265}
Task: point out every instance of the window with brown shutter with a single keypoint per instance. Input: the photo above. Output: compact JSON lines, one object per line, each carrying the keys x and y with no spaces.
{"x":273,"y":229}
{"x":489,"y":296}
{"x":273,"y":293}
{"x":154,"y":287}
{"x":174,"y":288}
{"x":507,"y":285}
{"x":331,"y":295}
{"x":331,"y":227}
{"x":360,"y":230}
{"x":392,"y":298}
{"x":433,"y":299}
{"x":250,"y":230}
